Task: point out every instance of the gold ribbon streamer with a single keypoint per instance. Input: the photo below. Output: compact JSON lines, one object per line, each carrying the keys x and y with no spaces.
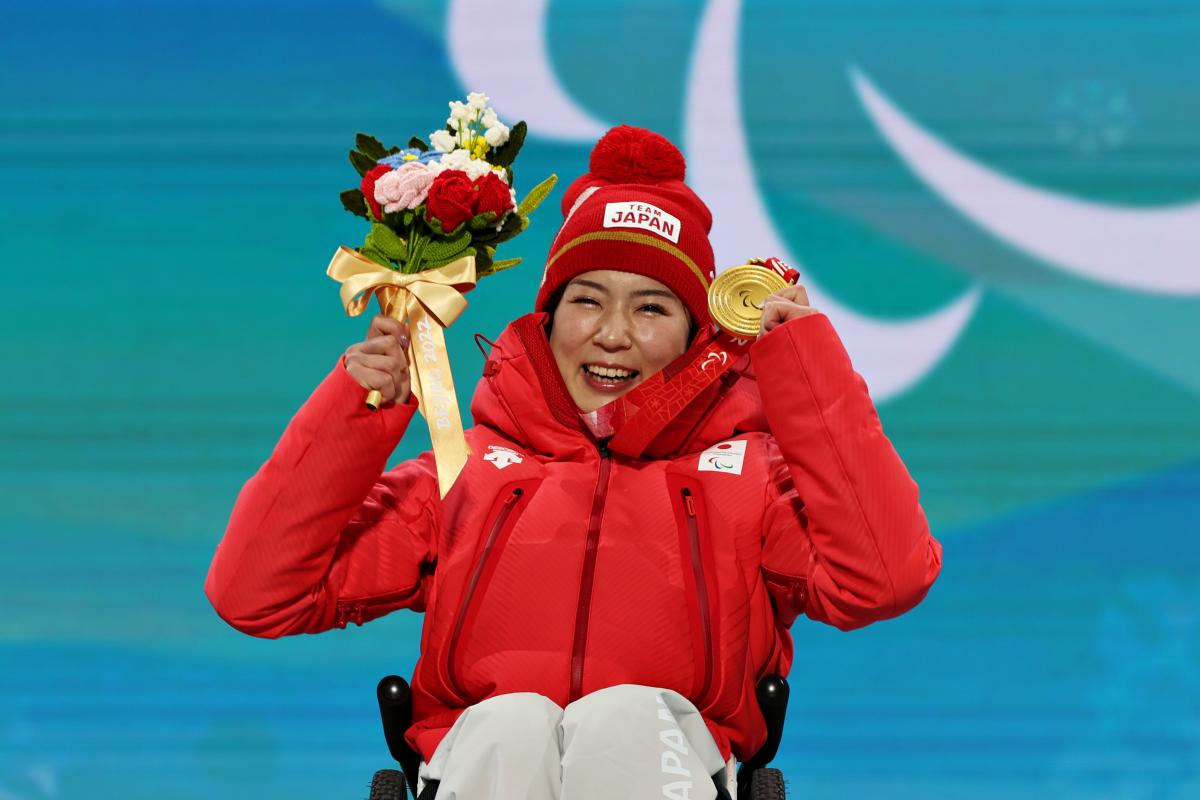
{"x":430,"y":300}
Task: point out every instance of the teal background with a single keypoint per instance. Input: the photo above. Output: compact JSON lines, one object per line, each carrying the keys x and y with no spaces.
{"x":169,"y":176}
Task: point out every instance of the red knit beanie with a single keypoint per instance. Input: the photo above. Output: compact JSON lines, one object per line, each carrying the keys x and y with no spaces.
{"x":632,"y":212}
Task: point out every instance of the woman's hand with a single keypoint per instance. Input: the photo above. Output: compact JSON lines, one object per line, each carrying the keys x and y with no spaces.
{"x":788,"y":303}
{"x":379,"y":362}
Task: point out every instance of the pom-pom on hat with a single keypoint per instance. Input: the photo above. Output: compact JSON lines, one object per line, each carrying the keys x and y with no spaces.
{"x":631,"y":211}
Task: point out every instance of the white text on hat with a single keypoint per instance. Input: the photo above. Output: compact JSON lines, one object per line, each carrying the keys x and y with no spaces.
{"x":642,"y":215}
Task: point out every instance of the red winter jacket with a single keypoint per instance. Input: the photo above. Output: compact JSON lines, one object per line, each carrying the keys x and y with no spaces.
{"x":554,"y":566}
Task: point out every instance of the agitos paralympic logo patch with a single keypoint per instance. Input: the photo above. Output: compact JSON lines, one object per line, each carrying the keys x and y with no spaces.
{"x":724,"y":457}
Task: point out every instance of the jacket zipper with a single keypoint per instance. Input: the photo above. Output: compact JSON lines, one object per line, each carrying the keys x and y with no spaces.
{"x":796,"y":588}
{"x":589,"y":573}
{"x":355,"y":610}
{"x":693,"y":526}
{"x":452,"y":647}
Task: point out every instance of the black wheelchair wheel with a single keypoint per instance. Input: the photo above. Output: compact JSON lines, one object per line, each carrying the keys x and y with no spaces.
{"x":388,"y":784}
{"x":767,"y":784}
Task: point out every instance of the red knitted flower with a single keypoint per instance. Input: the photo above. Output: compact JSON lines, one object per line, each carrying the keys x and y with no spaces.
{"x":451,"y":199}
{"x":368,"y":187}
{"x":492,"y":195}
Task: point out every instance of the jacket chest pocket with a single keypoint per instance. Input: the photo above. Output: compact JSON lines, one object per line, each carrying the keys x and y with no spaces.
{"x":498,"y":527}
{"x":699,"y":575}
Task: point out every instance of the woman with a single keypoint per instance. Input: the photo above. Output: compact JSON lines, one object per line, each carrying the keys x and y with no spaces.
{"x":569,"y":588}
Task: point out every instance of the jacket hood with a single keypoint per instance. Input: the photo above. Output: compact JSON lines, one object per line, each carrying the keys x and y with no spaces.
{"x":522,"y":394}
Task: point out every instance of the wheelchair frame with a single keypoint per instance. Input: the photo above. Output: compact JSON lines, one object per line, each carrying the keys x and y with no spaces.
{"x":395,"y":711}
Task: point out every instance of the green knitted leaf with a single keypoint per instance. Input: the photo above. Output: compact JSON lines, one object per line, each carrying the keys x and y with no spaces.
{"x":354,"y":202}
{"x":494,"y":266}
{"x":370,"y":147}
{"x":443,"y":250}
{"x":388,"y":242}
{"x":536,"y":195}
{"x":483,"y":261}
{"x":427,"y":264}
{"x":511,"y":233}
{"x":400,"y":220}
{"x":506,"y":154}
{"x":417,"y":143}
{"x":362,"y":164}
{"x":489,"y":236}
{"x":393,"y":219}
{"x":485,"y":238}
{"x":482,"y":221}
{"x":375,"y":254}
{"x":435,"y":225}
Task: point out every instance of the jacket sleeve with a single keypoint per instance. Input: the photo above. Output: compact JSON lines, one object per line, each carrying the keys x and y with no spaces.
{"x":318,"y":536}
{"x":845,"y":538}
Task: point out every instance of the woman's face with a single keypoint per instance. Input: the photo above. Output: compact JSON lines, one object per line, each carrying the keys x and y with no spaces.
{"x":612,"y":330}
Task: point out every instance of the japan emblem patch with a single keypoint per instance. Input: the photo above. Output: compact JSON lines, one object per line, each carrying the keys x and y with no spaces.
{"x":724,"y":457}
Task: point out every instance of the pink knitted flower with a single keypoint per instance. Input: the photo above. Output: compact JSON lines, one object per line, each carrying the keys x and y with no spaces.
{"x":404,"y":187}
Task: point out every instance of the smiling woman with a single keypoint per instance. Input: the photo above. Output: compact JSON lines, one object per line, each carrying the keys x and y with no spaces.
{"x":611,"y":330}
{"x":596,"y":613}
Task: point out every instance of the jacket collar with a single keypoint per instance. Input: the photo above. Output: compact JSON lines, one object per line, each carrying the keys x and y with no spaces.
{"x":522,"y":394}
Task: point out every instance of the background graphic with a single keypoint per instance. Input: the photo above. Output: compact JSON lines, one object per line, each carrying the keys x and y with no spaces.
{"x":170,"y":173}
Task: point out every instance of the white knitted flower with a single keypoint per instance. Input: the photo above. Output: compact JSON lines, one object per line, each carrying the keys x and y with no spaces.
{"x":458,"y":159}
{"x":477,"y":168}
{"x":443,"y":141}
{"x":461,"y":160}
{"x":461,"y":112}
{"x":477,"y":100}
{"x":496,"y":135}
{"x":489,"y":118}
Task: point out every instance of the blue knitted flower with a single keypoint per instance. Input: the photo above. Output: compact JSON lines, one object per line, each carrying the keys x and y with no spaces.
{"x":410,"y":154}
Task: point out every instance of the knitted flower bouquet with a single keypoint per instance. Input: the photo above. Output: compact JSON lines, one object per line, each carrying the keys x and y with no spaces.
{"x":437,"y":216}
{"x":429,"y":206}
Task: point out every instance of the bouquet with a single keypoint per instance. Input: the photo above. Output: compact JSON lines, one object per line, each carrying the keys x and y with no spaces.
{"x":438,"y":211}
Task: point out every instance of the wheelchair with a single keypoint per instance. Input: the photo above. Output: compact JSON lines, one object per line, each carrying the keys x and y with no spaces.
{"x":755,"y":781}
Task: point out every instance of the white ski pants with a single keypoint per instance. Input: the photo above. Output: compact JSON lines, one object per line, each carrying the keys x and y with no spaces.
{"x":627,"y":741}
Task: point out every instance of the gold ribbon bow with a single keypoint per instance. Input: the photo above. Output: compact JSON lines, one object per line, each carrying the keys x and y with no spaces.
{"x":430,"y":300}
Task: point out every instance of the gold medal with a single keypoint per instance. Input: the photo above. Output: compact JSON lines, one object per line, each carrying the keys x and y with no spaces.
{"x":735,"y":298}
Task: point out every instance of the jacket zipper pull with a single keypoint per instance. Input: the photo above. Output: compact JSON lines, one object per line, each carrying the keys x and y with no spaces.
{"x":800,"y":588}
{"x":688,"y":505}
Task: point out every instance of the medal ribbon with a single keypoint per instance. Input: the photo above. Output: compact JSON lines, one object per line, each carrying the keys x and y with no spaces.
{"x":644,"y":411}
{"x":641,"y":414}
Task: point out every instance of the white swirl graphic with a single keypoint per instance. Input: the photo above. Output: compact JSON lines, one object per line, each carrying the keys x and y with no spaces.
{"x":891,"y":356}
{"x":1147,"y":249}
{"x":521,"y":79}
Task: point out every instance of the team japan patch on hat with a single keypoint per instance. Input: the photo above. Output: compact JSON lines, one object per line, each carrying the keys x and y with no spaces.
{"x":724,"y":457}
{"x":644,"y":216}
